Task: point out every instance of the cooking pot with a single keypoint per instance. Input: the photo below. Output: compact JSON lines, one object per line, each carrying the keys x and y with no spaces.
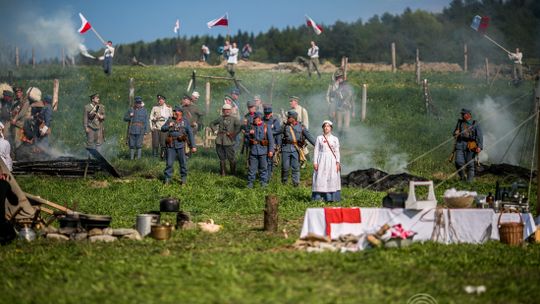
{"x":395,"y":200}
{"x":27,"y":233}
{"x":144,"y":224}
{"x":70,"y":220}
{"x":169,"y":204}
{"x":181,"y":218}
{"x":161,"y":232}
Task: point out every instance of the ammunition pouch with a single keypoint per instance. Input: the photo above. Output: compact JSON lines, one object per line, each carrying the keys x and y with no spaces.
{"x":182,"y":138}
{"x":169,"y":141}
{"x":471,"y":145}
{"x":263,"y":142}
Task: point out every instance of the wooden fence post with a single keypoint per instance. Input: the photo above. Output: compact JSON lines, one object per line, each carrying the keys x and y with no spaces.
{"x":394,"y":57}
{"x":465,"y":58}
{"x":208,"y":96}
{"x":364,"y":102}
{"x":417,"y":66}
{"x":271,"y":213}
{"x":487,"y":70}
{"x":56,"y":86}
{"x":17,"y":56}
{"x":131,"y":90}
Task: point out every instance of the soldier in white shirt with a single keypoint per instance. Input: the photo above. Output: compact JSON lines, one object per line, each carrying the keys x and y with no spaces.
{"x":107,"y":58}
{"x":517,"y":73}
{"x":232,"y":60}
{"x":313,"y":54}
{"x":158,"y":116}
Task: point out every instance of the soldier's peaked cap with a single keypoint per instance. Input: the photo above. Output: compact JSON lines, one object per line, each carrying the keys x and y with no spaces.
{"x":267,"y":108}
{"x":178,"y":109}
{"x":257,"y":115}
{"x":228,"y":97}
{"x":7,"y":93}
{"x":465,"y":111}
{"x":47,"y":98}
{"x":235,"y":91}
{"x":138,"y":99}
{"x":94,"y":95}
{"x":251,"y":103}
{"x":186,"y":97}
{"x":294,"y":97}
{"x":292,"y":114}
{"x":159,"y":96}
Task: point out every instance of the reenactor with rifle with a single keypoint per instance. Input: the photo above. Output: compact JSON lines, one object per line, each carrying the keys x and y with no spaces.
{"x":274,"y":125}
{"x":260,"y":139}
{"x":192,"y":113}
{"x":179,"y":134}
{"x":137,"y":117}
{"x":228,"y":126}
{"x":5,"y":106}
{"x":20,"y":110}
{"x":294,"y":136}
{"x":44,"y":123}
{"x":248,"y":121}
{"x":340,"y":97}
{"x":469,"y":142}
{"x":93,"y":122}
{"x":159,"y":114}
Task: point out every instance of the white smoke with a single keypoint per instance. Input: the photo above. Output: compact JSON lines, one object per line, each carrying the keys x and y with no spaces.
{"x":495,"y":124}
{"x":50,"y":34}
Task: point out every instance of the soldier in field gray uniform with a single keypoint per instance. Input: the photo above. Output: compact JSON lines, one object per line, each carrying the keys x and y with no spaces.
{"x":228,"y":126}
{"x":93,"y":118}
{"x":138,"y":126}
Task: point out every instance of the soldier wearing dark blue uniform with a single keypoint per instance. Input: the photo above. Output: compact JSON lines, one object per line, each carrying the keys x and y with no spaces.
{"x":45,"y":124}
{"x":260,"y":138}
{"x":248,"y":121}
{"x":469,"y":142}
{"x":274,"y":125}
{"x":138,"y":126}
{"x":294,"y":135}
{"x":179,"y":134}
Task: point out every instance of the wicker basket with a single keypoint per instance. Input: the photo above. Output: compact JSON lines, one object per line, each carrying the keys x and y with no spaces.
{"x":459,"y":202}
{"x":511,"y":233}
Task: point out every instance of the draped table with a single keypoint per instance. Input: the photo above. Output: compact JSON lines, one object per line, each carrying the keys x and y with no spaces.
{"x":438,"y":224}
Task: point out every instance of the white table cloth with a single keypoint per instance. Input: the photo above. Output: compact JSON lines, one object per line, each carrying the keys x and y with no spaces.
{"x":457,"y":225}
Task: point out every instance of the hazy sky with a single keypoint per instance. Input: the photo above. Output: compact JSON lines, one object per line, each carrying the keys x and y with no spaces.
{"x":125,"y":21}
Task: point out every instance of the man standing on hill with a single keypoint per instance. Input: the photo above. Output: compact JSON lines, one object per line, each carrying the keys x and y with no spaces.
{"x":93,"y":118}
{"x":138,"y":126}
{"x":228,"y":126}
{"x":469,"y":142}
{"x":232,"y":60}
{"x":313,"y":53}
{"x":107,"y":58}
{"x":517,"y":71}
{"x":158,"y":115}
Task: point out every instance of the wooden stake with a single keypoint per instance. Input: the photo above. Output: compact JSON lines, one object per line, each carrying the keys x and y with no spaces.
{"x":345,"y":66}
{"x":487,"y":71}
{"x":17,"y":57}
{"x":465,"y":58}
{"x":271,"y":213}
{"x":417,"y":66}
{"x":56,"y":85}
{"x":271,"y":95}
{"x":208,"y":96}
{"x":364,"y":102}
{"x":394,"y":69}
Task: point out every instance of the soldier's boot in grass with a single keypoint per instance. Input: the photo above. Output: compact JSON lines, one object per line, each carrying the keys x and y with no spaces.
{"x":154,"y":152}
{"x":222,"y":166}
{"x":139,"y":152}
{"x":233,"y":167}
{"x":131,"y":153}
{"x":163,"y":153}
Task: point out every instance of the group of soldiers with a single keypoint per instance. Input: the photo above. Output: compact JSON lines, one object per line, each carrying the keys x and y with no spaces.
{"x":27,"y":122}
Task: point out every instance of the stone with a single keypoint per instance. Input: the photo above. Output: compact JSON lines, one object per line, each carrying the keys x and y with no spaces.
{"x":189,"y":225}
{"x":102,"y":238}
{"x":57,"y":237}
{"x":107,"y":231}
{"x":67,"y":230}
{"x":94,"y":232}
{"x":123,"y":231}
{"x":133,"y":236}
{"x":49,"y":229}
{"x":81,"y":236}
{"x":316,"y":237}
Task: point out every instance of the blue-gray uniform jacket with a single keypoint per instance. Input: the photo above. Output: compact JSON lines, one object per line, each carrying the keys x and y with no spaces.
{"x":301,"y":134}
{"x":180,"y":132}
{"x":139,"y":121}
{"x":46,"y":114}
{"x":275,"y":126}
{"x":467,"y":133}
{"x":260,"y":142}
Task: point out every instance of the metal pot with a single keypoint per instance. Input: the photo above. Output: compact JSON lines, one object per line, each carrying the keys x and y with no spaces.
{"x":69,"y":221}
{"x":90,"y":221}
{"x":181,"y":218}
{"x":161,"y":232}
{"x":144,"y":224}
{"x":169,"y":204}
{"x":27,"y":233}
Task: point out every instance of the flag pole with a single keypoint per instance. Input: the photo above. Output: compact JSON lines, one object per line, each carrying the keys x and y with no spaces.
{"x":487,"y":37}
{"x":102,"y":41}
{"x":228,"y":34}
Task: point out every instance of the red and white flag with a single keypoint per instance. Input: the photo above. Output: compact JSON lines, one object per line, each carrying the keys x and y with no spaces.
{"x":221,"y":21}
{"x":85,"y":25}
{"x":317,"y":28}
{"x":480,"y":24}
{"x":342,"y":221}
{"x":176,"y":26}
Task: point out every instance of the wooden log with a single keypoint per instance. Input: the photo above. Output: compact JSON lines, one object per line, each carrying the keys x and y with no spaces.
{"x":56,"y":86}
{"x":39,"y":200}
{"x":208,"y":96}
{"x":218,"y":77}
{"x":537,"y":100}
{"x":393,"y":47}
{"x":465,"y":58}
{"x":345,"y":67}
{"x":364,"y":102}
{"x":271,"y":213}
{"x":487,"y":70}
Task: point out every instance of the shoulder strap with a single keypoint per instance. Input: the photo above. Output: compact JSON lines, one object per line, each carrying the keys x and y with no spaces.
{"x":330,"y":147}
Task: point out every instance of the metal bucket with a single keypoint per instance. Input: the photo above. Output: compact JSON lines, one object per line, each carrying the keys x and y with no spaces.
{"x":144,"y":224}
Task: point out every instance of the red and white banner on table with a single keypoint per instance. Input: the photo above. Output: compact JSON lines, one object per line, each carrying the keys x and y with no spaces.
{"x":311,"y":23}
{"x":340,"y":221}
{"x":221,"y":21}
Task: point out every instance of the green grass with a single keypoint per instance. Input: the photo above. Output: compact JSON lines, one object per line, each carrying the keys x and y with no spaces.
{"x":242,"y":263}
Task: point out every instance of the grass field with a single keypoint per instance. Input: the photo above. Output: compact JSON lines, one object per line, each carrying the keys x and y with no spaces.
{"x":243,"y":264}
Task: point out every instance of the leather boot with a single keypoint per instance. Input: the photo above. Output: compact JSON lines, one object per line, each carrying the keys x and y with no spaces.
{"x":233,"y":167}
{"x":222,"y":165}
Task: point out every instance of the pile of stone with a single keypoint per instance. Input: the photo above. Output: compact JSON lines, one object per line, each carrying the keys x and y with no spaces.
{"x":92,"y":235}
{"x":317,"y":243}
